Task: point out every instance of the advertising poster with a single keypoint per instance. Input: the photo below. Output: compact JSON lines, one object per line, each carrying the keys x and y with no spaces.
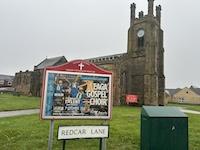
{"x":76,"y":95}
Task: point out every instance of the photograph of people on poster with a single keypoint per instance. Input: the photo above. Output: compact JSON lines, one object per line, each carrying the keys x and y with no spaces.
{"x":76,"y":95}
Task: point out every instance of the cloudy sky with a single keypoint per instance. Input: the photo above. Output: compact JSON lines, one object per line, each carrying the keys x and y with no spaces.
{"x":31,"y":30}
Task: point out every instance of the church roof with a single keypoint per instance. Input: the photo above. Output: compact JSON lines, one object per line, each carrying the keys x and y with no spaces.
{"x":54,"y":61}
{"x":106,"y":58}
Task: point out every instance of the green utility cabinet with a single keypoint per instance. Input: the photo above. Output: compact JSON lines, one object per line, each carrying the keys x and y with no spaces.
{"x":163,"y":128}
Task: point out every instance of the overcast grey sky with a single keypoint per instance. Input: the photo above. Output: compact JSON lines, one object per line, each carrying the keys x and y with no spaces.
{"x":31,"y":30}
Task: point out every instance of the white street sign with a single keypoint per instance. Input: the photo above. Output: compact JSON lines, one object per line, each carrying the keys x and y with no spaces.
{"x":76,"y":132}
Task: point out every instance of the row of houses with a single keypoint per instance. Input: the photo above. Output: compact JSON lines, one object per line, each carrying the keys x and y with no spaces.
{"x":185,"y":95}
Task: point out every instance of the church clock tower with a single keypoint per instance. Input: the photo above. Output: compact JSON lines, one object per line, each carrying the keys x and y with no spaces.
{"x":144,"y":63}
{"x":139,"y":71}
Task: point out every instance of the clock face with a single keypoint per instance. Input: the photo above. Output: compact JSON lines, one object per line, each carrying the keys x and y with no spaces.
{"x":140,"y":33}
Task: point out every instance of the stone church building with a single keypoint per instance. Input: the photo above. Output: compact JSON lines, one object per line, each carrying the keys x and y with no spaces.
{"x":139,"y":71}
{"x":30,"y":82}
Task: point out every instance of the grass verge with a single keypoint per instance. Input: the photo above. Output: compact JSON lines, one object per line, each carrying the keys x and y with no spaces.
{"x":28,"y":132}
{"x":186,"y":106}
{"x":10,"y":102}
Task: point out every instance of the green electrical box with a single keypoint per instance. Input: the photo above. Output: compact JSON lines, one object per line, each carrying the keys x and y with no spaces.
{"x":163,"y":128}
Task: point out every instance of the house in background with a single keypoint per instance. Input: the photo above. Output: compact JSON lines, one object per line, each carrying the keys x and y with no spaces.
{"x":30,"y":82}
{"x":169,"y":94}
{"x":6,"y":80}
{"x":186,"y":95}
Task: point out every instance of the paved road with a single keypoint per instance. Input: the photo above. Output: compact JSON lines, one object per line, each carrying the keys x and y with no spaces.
{"x":190,"y":111}
{"x":35,"y":111}
{"x":18,"y":113}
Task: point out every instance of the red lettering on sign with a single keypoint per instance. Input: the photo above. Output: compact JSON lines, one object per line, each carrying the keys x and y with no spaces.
{"x":131,"y":99}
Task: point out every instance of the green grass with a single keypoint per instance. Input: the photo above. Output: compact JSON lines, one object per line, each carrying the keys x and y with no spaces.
{"x":10,"y":102}
{"x":186,"y":106}
{"x":28,"y":132}
{"x":194,"y":132}
{"x":31,"y":133}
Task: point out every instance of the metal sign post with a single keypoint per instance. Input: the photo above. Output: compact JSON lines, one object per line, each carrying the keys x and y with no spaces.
{"x":51,"y":129}
{"x":64,"y":141}
{"x":102,"y":145}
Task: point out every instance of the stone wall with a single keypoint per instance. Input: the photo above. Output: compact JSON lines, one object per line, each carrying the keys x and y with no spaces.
{"x":22,"y":82}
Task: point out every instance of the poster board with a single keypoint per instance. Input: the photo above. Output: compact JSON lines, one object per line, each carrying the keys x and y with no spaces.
{"x":76,"y":90}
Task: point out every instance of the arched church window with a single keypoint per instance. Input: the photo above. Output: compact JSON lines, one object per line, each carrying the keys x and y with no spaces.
{"x":140,"y":42}
{"x":124,"y":82}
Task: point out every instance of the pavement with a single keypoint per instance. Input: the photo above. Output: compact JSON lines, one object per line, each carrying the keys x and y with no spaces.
{"x":190,"y":111}
{"x":36,"y":111}
{"x":18,"y":113}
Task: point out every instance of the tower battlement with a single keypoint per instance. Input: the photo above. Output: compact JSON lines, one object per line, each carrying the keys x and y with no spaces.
{"x":142,"y":16}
